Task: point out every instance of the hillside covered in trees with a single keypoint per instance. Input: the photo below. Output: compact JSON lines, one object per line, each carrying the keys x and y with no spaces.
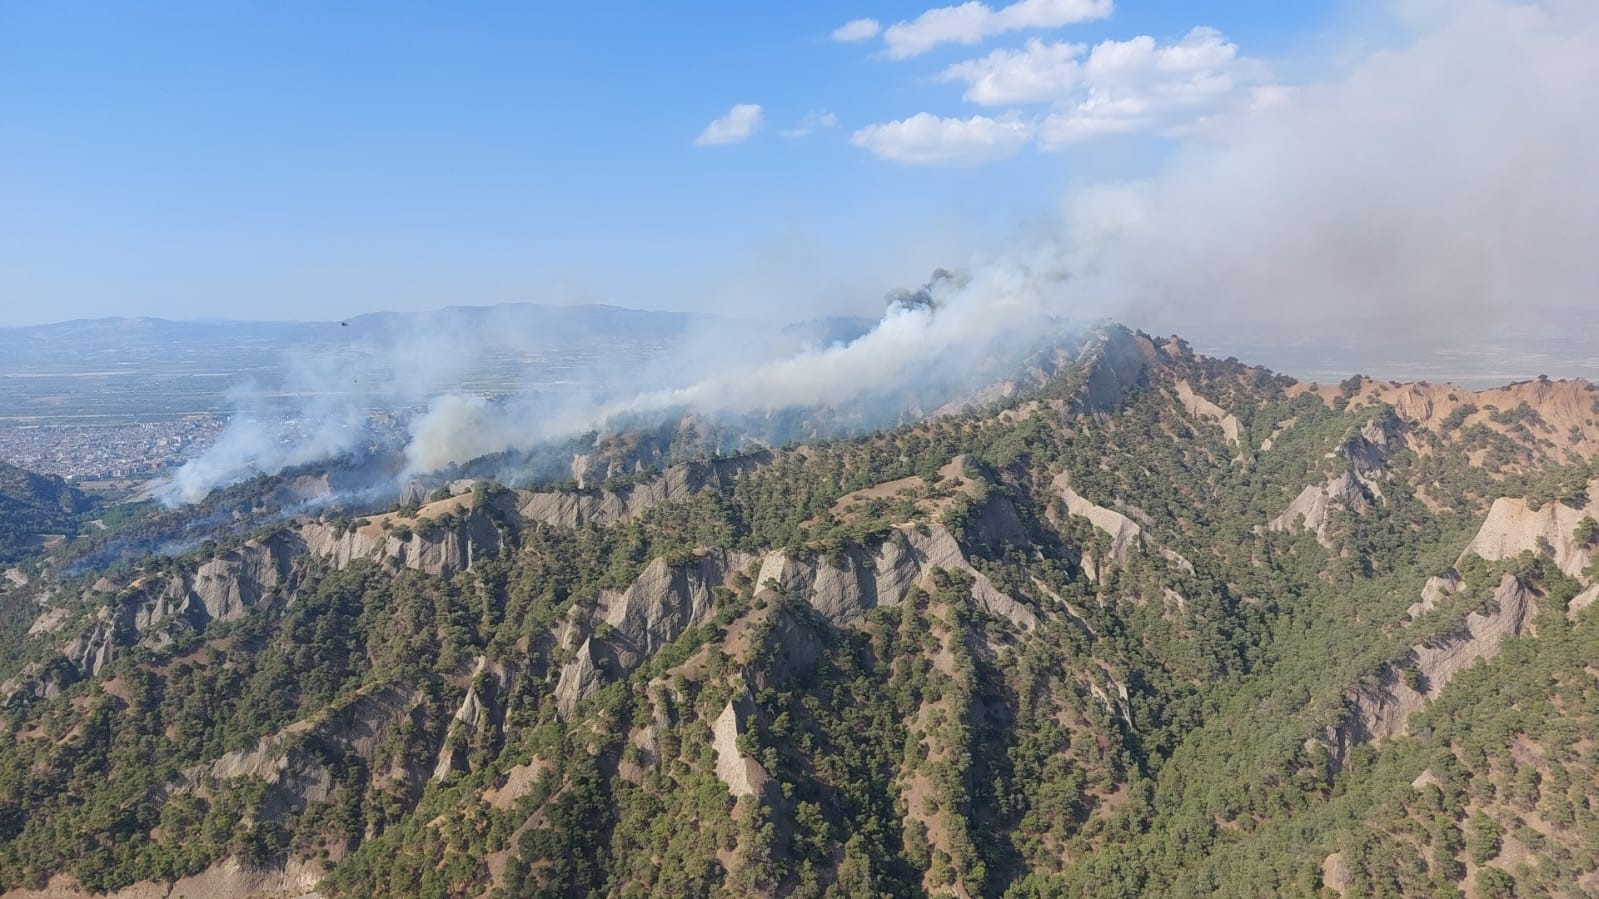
{"x":1155,"y":625}
{"x":34,"y":504}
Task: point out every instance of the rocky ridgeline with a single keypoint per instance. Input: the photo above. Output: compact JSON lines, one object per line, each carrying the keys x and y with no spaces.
{"x":1513,"y":527}
{"x":261,"y":574}
{"x":774,"y":613}
{"x":1356,"y":484}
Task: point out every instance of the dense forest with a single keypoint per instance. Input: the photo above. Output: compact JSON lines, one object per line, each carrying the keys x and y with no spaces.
{"x":34,"y":506}
{"x":1156,"y":625}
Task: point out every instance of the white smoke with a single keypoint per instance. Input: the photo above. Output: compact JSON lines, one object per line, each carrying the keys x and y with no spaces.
{"x":1441,"y":184}
{"x":913,"y":344}
{"x":312,"y":415}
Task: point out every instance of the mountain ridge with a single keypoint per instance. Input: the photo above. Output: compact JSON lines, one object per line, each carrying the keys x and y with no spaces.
{"x":1065,"y":641}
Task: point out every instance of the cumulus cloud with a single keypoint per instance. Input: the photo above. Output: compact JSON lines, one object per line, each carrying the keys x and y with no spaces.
{"x":810,"y":123}
{"x":973,"y":22}
{"x":1138,"y":85}
{"x":1037,"y":73}
{"x":737,"y":126}
{"x":926,"y":139}
{"x":857,"y":30}
{"x":1117,"y":87}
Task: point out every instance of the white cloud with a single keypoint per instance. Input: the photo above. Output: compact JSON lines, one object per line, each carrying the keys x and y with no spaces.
{"x":1138,"y":85}
{"x":1038,"y":73}
{"x":926,"y":139}
{"x":810,"y":123}
{"x":857,"y":30}
{"x":739,"y":123}
{"x":1117,"y":87}
{"x":973,"y":21}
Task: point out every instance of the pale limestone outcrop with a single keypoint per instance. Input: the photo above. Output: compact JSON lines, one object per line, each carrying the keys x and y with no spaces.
{"x":1311,"y":507}
{"x":1511,"y":612}
{"x":573,"y":509}
{"x":580,"y":678}
{"x":625,"y":628}
{"x":94,"y":649}
{"x":743,"y":775}
{"x":227,"y":586}
{"x":49,"y":621}
{"x":1125,"y":534}
{"x":230,"y":584}
{"x":1513,"y":526}
{"x":1438,"y":588}
{"x":471,"y":718}
{"x":518,"y":781}
{"x":224,"y":588}
{"x":1114,"y":701}
{"x":1582,"y":601}
{"x":843,"y":589}
{"x":661,"y":604}
{"x":290,"y":761}
{"x":1356,"y":488}
{"x":1118,"y":363}
{"x":441,"y":548}
{"x":1202,"y":408}
{"x":1383,"y":709}
{"x":36,"y":681}
{"x":1335,"y":874}
{"x":227,"y":879}
{"x":1177,"y":559}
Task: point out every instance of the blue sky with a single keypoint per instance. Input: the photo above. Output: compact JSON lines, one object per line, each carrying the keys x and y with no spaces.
{"x":314,"y":160}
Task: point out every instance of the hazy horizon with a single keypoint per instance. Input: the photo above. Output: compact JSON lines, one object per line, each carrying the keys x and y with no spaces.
{"x":1253,"y":166}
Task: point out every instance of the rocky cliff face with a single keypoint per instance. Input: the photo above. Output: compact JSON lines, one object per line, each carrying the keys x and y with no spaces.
{"x":1118,"y":361}
{"x":622,"y":629}
{"x":294,"y":762}
{"x":228,"y":586}
{"x":844,"y":588}
{"x":441,"y":548}
{"x":1383,"y":709}
{"x":228,"y":879}
{"x":743,"y":775}
{"x":1205,"y":410}
{"x":1513,"y":526}
{"x":259,"y":574}
{"x":1355,"y":488}
{"x":1124,"y":533}
{"x":573,"y":509}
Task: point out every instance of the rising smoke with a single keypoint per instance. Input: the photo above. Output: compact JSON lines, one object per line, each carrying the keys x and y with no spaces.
{"x":931,"y":338}
{"x":1437,"y":178}
{"x":1441,"y":183}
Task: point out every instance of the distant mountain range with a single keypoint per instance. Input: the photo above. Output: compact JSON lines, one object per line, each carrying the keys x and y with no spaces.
{"x":144,"y":367}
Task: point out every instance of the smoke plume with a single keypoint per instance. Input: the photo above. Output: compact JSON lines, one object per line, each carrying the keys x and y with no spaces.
{"x":1438,"y":186}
